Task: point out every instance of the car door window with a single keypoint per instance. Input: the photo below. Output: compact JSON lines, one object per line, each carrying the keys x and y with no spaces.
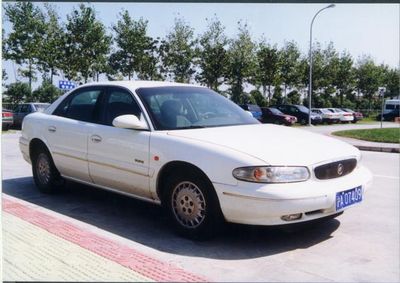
{"x":119,"y":102}
{"x":25,"y":108}
{"x":81,"y":106}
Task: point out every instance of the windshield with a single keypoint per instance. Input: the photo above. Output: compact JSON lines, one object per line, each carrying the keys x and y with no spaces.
{"x":303,"y":108}
{"x":275,"y":111}
{"x":181,"y":107}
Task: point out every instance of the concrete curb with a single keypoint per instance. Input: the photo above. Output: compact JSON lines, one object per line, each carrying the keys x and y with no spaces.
{"x":377,"y":148}
{"x":381,"y":147}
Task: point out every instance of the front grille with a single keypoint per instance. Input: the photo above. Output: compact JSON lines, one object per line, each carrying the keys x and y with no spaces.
{"x":335,"y":169}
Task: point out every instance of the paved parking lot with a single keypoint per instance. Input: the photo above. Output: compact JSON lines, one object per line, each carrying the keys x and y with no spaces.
{"x":362,"y":245}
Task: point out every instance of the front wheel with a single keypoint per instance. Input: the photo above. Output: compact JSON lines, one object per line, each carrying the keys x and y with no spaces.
{"x":193,"y":206}
{"x":45,"y":174}
{"x":303,"y":121}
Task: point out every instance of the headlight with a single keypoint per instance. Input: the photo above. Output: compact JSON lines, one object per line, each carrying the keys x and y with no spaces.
{"x":272,"y":174}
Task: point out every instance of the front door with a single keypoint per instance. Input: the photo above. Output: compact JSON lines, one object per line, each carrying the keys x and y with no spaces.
{"x":119,"y":158}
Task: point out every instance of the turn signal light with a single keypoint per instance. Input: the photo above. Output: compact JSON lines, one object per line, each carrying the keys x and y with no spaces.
{"x":291,"y":217}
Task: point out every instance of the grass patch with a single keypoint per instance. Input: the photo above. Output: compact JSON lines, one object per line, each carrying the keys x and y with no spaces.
{"x":388,"y":135}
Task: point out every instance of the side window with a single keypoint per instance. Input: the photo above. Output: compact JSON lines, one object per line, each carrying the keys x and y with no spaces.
{"x":25,"y":108}
{"x":293,"y":109}
{"x":80,"y":106}
{"x":120,"y":102}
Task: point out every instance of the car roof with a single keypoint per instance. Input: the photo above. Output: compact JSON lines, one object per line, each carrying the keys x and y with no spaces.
{"x":139,"y":84}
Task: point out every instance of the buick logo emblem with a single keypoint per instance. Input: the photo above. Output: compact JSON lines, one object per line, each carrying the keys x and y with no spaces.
{"x":340,"y":169}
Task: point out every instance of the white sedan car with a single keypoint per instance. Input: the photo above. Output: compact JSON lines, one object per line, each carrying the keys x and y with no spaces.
{"x":193,"y":151}
{"x":343,"y":115}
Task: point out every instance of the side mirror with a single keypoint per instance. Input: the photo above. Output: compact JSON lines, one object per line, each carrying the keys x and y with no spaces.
{"x":129,"y":122}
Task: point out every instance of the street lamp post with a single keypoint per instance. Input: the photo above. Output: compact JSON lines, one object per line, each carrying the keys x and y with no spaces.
{"x":311,"y":63}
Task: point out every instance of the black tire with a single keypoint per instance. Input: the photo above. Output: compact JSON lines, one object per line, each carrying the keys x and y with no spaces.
{"x":6,"y":127}
{"x":193,"y":206}
{"x":303,"y":121}
{"x":45,"y":174}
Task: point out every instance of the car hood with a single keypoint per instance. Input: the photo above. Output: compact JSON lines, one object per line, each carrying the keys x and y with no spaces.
{"x":274,"y":145}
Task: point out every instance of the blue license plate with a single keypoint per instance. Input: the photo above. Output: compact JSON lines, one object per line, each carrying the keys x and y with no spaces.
{"x":349,"y":197}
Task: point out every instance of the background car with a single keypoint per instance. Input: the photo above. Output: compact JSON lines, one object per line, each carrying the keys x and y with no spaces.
{"x":327,"y":116}
{"x":390,"y":116}
{"x":300,"y":112}
{"x":274,"y":116}
{"x":357,"y":115}
{"x":345,"y":117}
{"x":254,"y":109}
{"x":26,"y":108}
{"x":7,"y":119}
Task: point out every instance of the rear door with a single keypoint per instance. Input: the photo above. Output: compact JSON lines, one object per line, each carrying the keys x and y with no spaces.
{"x":67,"y":131}
{"x":119,"y":158}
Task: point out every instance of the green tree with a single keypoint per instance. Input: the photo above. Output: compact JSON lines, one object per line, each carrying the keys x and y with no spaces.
{"x":368,"y":79}
{"x":135,"y":49}
{"x":87,"y":43}
{"x":16,"y":93}
{"x":293,"y":97}
{"x":212,"y":55}
{"x":392,"y":82}
{"x":47,"y":92}
{"x":258,"y":98}
{"x":345,"y":77}
{"x":4,"y":77}
{"x":241,"y":63}
{"x":51,"y":44}
{"x":267,"y":70}
{"x":178,"y":52}
{"x":290,"y":71}
{"x":21,"y":45}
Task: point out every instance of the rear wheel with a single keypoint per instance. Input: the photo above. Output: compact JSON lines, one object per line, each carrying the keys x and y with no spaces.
{"x":303,"y":121}
{"x":193,"y":206}
{"x":45,"y":174}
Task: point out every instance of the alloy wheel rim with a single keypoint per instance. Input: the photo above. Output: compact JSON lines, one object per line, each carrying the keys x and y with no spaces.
{"x":43,"y":169}
{"x":188,"y":204}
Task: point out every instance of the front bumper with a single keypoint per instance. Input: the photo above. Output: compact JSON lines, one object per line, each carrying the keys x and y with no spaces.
{"x":265,"y":204}
{"x":24,"y":147}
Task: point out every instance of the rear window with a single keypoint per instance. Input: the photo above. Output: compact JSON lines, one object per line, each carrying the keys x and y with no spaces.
{"x":41,"y":107}
{"x":254,"y":108}
{"x":392,"y":106}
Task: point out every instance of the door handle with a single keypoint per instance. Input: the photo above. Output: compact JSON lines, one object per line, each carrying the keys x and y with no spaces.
{"x":51,"y":129}
{"x":95,"y":138}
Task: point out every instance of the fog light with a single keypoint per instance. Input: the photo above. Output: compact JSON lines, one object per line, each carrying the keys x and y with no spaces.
{"x":291,"y":217}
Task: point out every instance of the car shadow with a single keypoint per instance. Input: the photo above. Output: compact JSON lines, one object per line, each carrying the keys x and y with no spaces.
{"x":148,"y":224}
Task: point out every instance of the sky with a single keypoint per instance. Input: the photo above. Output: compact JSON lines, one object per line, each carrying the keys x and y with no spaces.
{"x":360,"y":29}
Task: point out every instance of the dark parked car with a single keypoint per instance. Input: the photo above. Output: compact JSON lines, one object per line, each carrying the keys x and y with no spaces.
{"x":26,"y":108}
{"x":389,"y":116}
{"x":357,"y":115}
{"x":300,"y":112}
{"x":273,"y":115}
{"x":7,"y":119}
{"x":254,"y":109}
